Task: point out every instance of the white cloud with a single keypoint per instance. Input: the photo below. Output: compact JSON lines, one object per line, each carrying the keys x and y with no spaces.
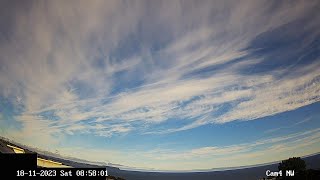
{"x":261,"y":151}
{"x":68,"y":45}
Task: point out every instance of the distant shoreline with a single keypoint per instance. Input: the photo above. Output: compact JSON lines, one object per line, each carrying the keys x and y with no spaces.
{"x":125,"y":168}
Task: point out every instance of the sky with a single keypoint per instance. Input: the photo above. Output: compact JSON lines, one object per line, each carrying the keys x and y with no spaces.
{"x":162,"y":85}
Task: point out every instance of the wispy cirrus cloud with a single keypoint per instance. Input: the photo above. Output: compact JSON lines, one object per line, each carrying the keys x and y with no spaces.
{"x":260,"y":151}
{"x":108,"y":68}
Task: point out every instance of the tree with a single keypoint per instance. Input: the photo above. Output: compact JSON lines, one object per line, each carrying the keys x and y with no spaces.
{"x":296,"y":164}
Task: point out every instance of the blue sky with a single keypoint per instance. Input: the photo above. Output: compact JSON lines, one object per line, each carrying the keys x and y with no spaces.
{"x":179,"y":85}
